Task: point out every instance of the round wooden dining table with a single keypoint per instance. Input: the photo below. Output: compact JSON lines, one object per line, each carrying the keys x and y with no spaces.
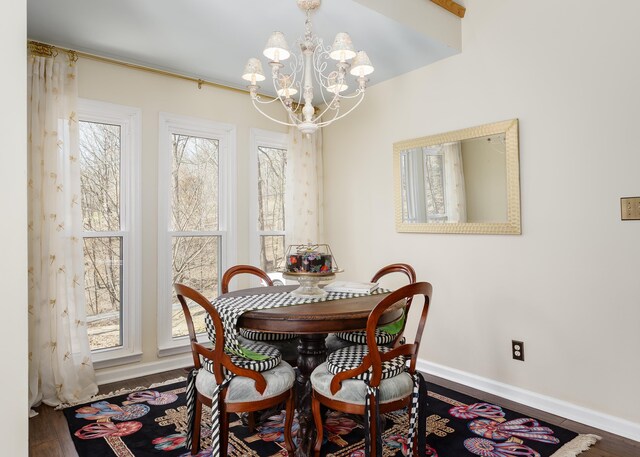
{"x":312,"y":321}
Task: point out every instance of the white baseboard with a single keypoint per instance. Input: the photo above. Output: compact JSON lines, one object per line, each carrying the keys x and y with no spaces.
{"x":551,"y":405}
{"x":135,"y":370}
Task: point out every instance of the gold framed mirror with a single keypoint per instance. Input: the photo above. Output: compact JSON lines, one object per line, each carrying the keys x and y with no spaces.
{"x":465,"y":181}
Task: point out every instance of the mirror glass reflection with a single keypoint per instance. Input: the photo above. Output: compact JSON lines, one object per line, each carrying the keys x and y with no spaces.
{"x":455,"y":182}
{"x":465,"y":181}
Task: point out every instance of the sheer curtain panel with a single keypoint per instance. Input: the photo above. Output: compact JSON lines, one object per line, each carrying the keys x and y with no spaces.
{"x":303,"y":192}
{"x":60,"y":367}
{"x":454,"y":177}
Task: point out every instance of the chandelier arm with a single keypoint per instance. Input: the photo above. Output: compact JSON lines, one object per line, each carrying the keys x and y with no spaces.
{"x":293,"y":118}
{"x":356,"y":94}
{"x":322,"y":124}
{"x":296,"y":70}
{"x":320,"y":66}
{"x":336,"y":97}
{"x":335,"y":116}
{"x":263,"y":102}
{"x":271,"y":118}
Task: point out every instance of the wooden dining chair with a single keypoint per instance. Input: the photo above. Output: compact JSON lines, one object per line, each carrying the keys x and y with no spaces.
{"x":286,"y":343}
{"x":233,"y":383}
{"x":372,"y":379}
{"x":343,"y":339}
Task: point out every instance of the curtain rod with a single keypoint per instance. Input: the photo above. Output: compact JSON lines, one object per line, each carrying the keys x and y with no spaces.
{"x":49,"y":50}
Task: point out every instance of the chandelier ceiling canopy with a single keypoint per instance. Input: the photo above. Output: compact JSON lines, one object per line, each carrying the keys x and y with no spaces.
{"x":328,"y":67}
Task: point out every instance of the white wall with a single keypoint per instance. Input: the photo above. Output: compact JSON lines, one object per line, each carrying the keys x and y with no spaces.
{"x":154,"y":93}
{"x":569,"y":285}
{"x":13,"y":204}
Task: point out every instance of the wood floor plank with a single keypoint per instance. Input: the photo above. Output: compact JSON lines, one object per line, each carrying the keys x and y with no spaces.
{"x":49,"y":448}
{"x":614,"y":444}
{"x":58,"y":423}
{"x":39,"y":430}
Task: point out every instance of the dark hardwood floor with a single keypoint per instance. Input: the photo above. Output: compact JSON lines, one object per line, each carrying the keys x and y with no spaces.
{"x":49,"y":435}
{"x":48,"y":432}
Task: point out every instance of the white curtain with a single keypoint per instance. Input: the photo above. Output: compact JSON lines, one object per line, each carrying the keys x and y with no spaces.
{"x":304,"y":193}
{"x":60,"y":367}
{"x":454,"y":178}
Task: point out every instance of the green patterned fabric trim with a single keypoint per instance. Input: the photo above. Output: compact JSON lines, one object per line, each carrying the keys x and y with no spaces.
{"x":249,"y":354}
{"x":395,"y":327}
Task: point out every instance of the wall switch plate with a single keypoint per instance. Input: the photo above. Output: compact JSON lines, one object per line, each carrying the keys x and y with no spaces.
{"x":517,"y":350}
{"x":630,"y":208}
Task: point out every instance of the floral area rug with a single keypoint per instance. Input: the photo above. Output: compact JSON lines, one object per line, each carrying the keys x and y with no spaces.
{"x":152,"y":422}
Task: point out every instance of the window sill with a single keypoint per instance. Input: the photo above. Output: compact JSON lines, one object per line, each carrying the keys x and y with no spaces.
{"x":117,"y":360}
{"x":173,"y":350}
{"x":180,"y":346}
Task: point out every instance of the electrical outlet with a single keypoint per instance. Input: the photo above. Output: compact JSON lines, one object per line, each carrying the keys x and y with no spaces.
{"x":517,"y":350}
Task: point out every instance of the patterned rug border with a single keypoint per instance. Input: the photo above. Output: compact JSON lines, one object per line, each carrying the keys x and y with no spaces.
{"x":577,"y":446}
{"x":573,"y":448}
{"x":115,"y":393}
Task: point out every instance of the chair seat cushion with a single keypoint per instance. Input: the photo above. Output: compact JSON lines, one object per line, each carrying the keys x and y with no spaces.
{"x":350,"y":357}
{"x":288,"y":348}
{"x":360,"y":337}
{"x":242,"y":389}
{"x":354,"y":391}
{"x":274,"y":357}
{"x":334,"y":343}
{"x":266,"y":336}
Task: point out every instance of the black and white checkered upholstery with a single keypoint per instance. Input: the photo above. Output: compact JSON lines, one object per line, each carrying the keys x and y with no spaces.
{"x":266,"y":336}
{"x":351,"y":357}
{"x":273,"y":360}
{"x":231,"y":308}
{"x":360,"y":337}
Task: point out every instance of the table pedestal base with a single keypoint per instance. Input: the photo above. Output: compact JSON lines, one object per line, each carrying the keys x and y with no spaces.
{"x":311,"y":353}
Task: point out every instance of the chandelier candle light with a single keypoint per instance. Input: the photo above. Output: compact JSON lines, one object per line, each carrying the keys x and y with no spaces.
{"x":312,"y":64}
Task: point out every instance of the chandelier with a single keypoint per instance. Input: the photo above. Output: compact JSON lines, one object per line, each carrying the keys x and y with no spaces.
{"x":313,"y":64}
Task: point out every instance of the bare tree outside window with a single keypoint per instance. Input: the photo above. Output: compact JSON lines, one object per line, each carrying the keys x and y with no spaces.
{"x":434,"y":185}
{"x":100,"y":159}
{"x":194,"y":213}
{"x":271,"y":184}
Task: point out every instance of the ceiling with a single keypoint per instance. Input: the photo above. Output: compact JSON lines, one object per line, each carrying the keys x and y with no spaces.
{"x":212,"y":39}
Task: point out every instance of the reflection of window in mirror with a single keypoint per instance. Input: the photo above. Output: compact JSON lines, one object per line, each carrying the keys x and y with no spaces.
{"x":433,"y":184}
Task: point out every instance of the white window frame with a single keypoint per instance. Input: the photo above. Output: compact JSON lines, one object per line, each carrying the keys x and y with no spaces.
{"x":129,"y":120}
{"x":225,"y":134}
{"x":413,"y":170}
{"x":269,"y":139}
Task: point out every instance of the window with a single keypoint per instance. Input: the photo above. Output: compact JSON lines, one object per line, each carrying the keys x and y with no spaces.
{"x":268,"y":168}
{"x":426,"y":202}
{"x":195,"y":203}
{"x":109,"y":166}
